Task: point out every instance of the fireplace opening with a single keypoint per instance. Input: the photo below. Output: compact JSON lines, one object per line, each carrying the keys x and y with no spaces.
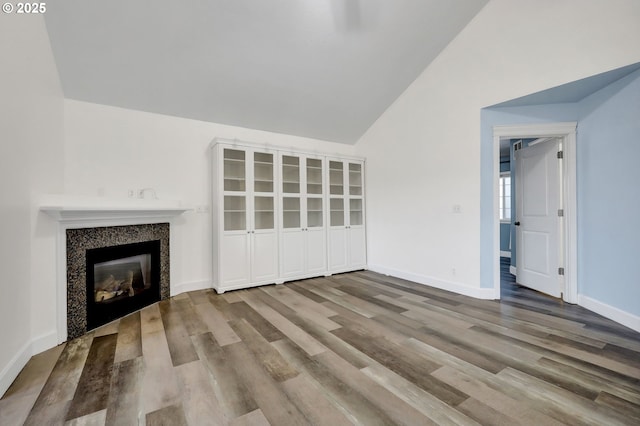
{"x":120,"y":280}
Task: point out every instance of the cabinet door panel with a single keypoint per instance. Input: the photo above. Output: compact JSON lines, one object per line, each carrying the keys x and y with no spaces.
{"x":357,"y":247}
{"x":264,"y":256}
{"x":292,"y":253}
{"x":337,"y":249}
{"x":234,"y":258}
{"x":316,"y":241}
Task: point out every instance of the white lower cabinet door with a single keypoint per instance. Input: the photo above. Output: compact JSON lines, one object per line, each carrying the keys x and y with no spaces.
{"x":235,"y":260}
{"x":337,"y":249}
{"x":316,"y":251}
{"x":357,"y":247}
{"x":264,"y":264}
{"x":292,"y":262}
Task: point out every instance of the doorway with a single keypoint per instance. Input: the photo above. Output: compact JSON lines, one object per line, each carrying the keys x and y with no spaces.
{"x":565,"y":135}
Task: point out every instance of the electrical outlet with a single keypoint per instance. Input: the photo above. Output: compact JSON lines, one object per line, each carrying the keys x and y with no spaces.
{"x":202,"y":209}
{"x":456,"y":208}
{"x":130,"y":193}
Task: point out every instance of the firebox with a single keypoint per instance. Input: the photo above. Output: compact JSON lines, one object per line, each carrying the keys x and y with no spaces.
{"x":121,"y":279}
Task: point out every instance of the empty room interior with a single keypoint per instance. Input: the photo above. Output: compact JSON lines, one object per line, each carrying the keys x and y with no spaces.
{"x":320,"y":212}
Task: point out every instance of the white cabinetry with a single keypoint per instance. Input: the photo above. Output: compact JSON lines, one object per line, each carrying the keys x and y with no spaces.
{"x":244,"y":211}
{"x":280,"y":215}
{"x":347,"y":243}
{"x":303,"y":248}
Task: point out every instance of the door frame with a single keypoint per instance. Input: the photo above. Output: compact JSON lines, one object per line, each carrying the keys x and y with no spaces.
{"x":567,"y":132}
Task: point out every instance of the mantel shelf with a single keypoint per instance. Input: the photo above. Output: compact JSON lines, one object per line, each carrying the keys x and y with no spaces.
{"x":111,"y":209}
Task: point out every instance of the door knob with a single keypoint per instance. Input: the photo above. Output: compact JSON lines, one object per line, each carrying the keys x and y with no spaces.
{"x":517,"y":223}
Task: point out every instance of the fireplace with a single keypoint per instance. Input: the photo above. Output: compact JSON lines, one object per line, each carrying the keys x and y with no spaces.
{"x":120,"y":280}
{"x":113,"y":271}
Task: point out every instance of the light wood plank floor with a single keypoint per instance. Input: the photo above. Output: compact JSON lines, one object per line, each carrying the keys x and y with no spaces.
{"x":357,"y":348}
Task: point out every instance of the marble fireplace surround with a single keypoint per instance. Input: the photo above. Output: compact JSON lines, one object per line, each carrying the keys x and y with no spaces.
{"x":101,"y":223}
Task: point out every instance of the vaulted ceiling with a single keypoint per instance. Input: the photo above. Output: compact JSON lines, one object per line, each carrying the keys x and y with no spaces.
{"x":324,"y":69}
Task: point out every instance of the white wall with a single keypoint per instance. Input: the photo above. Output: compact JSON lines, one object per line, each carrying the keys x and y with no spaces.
{"x":424,"y":152}
{"x":31,"y":162}
{"x":110,"y":150}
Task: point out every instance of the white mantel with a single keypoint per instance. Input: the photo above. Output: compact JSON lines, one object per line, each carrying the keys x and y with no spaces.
{"x":86,"y":212}
{"x":115,"y":211}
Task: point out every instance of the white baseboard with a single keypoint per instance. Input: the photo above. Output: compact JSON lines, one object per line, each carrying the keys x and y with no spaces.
{"x":608,"y":311}
{"x":44,"y":342}
{"x":476,"y":292}
{"x":505,"y":254}
{"x":34,"y":347}
{"x":13,"y":368}
{"x":512,"y":270}
{"x":189,"y":286}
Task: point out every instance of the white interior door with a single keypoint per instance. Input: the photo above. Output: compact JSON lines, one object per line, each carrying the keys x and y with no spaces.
{"x":537,"y":220}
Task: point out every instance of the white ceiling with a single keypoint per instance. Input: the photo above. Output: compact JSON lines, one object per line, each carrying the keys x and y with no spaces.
{"x":324,"y":69}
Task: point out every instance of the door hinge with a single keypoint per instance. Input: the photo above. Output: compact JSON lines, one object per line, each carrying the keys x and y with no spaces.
{"x":560,"y":271}
{"x":560,"y":155}
{"x":560,"y":212}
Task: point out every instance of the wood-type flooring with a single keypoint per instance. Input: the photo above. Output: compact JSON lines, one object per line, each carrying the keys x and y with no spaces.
{"x":357,"y":348}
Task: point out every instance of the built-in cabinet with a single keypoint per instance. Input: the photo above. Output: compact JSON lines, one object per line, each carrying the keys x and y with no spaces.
{"x":303,"y":247}
{"x":245,"y":213}
{"x":346,"y":235}
{"x":284,"y":215}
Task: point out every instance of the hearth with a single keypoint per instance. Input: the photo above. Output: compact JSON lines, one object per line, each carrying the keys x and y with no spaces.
{"x":120,"y":280}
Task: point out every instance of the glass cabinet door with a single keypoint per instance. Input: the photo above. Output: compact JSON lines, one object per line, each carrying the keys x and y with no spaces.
{"x":355,"y":179}
{"x":291,"y":212}
{"x":291,"y":202}
{"x":336,"y":205}
{"x":315,"y":192}
{"x":264,"y":213}
{"x":355,"y":211}
{"x":235,"y":213}
{"x":314,"y":176}
{"x":355,"y":215}
{"x":263,"y":184}
{"x":336,"y":178}
{"x":235,"y":180}
{"x":234,"y":170}
{"x":336,"y":194}
{"x":290,"y":174}
{"x":314,"y":213}
{"x":263,"y":172}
